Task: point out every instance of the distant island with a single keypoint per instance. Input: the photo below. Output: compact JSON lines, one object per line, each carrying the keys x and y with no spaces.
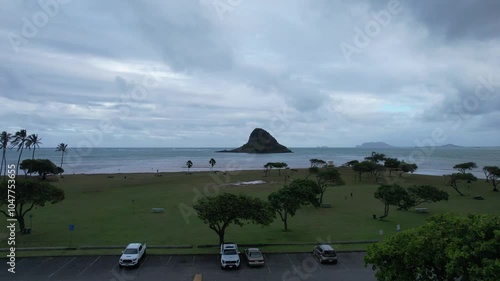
{"x":260,"y":141}
{"x":450,"y":145}
{"x":378,"y":144}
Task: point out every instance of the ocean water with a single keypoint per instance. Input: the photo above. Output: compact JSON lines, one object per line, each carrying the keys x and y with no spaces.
{"x":431,"y":161}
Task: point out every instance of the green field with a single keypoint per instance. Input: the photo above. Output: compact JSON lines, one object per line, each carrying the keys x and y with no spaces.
{"x":116,"y":209}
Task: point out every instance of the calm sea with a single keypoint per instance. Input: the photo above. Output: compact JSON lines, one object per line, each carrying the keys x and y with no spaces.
{"x":431,"y":161}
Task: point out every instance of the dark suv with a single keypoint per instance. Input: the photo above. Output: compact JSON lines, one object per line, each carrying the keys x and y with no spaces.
{"x":325,"y":253}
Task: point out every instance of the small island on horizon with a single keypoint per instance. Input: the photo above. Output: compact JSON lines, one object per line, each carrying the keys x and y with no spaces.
{"x":380,"y":144}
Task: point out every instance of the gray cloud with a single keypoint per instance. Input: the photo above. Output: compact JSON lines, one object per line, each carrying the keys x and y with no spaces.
{"x":275,"y":65}
{"x":459,"y":19}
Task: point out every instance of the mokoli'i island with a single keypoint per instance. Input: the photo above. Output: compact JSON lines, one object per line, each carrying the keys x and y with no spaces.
{"x":260,"y":141}
{"x":250,"y":140}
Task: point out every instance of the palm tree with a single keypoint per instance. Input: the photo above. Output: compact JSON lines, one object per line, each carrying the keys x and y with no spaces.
{"x":4,"y":142}
{"x":19,"y":141}
{"x":189,"y":164}
{"x":212,"y":162}
{"x":62,"y":147}
{"x":33,"y":141}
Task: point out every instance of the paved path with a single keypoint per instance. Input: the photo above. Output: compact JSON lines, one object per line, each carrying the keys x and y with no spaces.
{"x":285,"y":267}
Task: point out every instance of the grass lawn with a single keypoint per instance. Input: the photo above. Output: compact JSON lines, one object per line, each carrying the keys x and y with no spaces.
{"x":116,"y":209}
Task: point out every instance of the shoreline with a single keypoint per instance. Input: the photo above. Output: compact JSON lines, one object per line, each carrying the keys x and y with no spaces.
{"x":207,"y":170}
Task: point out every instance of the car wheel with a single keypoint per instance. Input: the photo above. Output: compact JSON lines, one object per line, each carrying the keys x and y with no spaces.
{"x":222,"y":267}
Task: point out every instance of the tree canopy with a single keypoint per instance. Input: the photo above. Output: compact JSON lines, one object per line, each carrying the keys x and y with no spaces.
{"x":225,"y":209}
{"x":420,"y":194}
{"x":407,"y":168}
{"x":28,"y":194}
{"x":317,"y":162}
{"x":327,"y":177}
{"x":365,"y":167}
{"x":391,"y":195}
{"x":43,"y":167}
{"x":447,"y":247}
{"x":464,"y":167}
{"x":289,"y":199}
{"x":492,"y":174}
{"x":392,"y":164}
{"x":456,"y":178}
{"x":376,"y":157}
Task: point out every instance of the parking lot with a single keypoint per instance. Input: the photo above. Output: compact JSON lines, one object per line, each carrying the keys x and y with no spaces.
{"x":291,"y":267}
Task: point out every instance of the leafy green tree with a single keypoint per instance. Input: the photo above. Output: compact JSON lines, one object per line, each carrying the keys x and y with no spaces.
{"x":492,"y":174}
{"x":189,"y":164}
{"x":376,"y":157}
{"x":392,"y":195}
{"x":420,"y":194}
{"x":34,"y":142}
{"x":456,"y":178}
{"x":19,"y":141}
{"x":364,"y":167}
{"x":392,"y":164}
{"x":43,"y":167}
{"x":63,"y":147}
{"x":268,"y":166}
{"x":279,"y":166}
{"x":225,"y":209}
{"x":407,"y":168}
{"x":312,"y":171}
{"x":317,"y":163}
{"x":328,"y":177}
{"x":4,"y":142}
{"x":351,"y":163}
{"x":288,"y":200}
{"x":447,"y":247}
{"x":464,"y":167}
{"x":212,"y":163}
{"x":28,"y":195}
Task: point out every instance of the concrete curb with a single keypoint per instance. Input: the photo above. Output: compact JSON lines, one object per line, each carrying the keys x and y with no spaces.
{"x":206,"y":246}
{"x":293,"y":244}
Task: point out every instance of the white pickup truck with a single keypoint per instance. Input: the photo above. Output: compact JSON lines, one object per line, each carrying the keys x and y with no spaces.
{"x":229,"y":256}
{"x":132,"y":255}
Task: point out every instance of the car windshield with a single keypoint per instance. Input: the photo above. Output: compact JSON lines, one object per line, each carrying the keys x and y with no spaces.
{"x":255,"y":255}
{"x":329,"y":254}
{"x":130,"y":251}
{"x":230,"y":252}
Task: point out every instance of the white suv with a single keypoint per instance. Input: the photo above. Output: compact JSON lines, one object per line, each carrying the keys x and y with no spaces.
{"x":229,"y":256}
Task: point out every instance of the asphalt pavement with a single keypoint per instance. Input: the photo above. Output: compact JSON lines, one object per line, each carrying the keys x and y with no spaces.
{"x":285,"y":267}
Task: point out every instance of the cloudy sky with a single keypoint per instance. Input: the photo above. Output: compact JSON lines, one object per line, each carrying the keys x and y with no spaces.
{"x":206,"y":72}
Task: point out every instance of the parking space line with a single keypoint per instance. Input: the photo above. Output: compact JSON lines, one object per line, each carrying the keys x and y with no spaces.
{"x":168,"y":260}
{"x":294,"y":269}
{"x":43,"y":262}
{"x":267,"y":264}
{"x":62,"y":267}
{"x":142,"y":263}
{"x":192,"y":263}
{"x":89,"y":266}
{"x":343,"y":265}
{"x":21,"y":261}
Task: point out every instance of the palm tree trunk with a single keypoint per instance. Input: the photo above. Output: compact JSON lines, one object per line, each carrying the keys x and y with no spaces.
{"x":32,"y":160}
{"x":19,"y":160}
{"x":3,"y":159}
